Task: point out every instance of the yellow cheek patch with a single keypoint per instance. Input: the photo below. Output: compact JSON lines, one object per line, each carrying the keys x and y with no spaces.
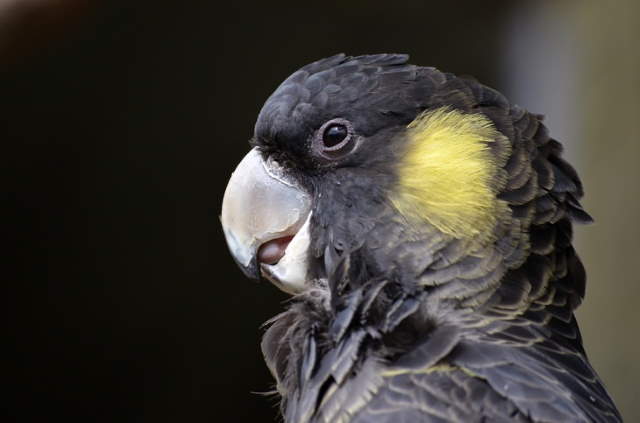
{"x":448,"y":175}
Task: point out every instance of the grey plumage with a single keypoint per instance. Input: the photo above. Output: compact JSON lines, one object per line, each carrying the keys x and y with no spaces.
{"x":406,"y":325}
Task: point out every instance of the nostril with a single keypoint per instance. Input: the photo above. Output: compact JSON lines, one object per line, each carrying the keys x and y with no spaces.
{"x":272,"y":251}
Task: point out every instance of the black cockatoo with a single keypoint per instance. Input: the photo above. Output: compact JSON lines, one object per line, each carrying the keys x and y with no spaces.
{"x":423,"y":225}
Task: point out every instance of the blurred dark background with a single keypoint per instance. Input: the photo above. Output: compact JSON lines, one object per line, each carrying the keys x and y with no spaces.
{"x":122,"y":121}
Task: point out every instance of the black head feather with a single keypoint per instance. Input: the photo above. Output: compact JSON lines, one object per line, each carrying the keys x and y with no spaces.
{"x":373,"y":92}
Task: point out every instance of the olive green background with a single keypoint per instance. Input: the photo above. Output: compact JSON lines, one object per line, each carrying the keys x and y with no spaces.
{"x":122,"y":121}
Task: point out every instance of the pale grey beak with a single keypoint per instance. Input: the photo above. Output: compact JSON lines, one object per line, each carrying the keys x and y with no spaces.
{"x":263,"y":207}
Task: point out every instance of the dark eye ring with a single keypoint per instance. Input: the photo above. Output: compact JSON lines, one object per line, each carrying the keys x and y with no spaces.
{"x":334,"y":139}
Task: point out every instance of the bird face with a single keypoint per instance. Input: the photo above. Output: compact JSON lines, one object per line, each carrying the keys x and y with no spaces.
{"x":360,"y":154}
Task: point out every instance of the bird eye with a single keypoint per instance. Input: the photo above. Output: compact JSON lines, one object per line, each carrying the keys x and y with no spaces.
{"x":334,"y":139}
{"x":334,"y":135}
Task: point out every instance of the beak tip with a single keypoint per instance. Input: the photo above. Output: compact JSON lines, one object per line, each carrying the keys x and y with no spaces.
{"x":252,"y":270}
